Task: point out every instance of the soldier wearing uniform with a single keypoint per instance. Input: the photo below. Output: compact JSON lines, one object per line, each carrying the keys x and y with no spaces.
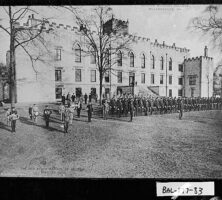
{"x":89,"y":111}
{"x":105,"y":110}
{"x":35,"y":110}
{"x":47,"y":112}
{"x":13,"y":118}
{"x":180,"y":107}
{"x":135,"y":103}
{"x":131,"y":109}
{"x":61,"y":111}
{"x":66,"y":120}
{"x":79,"y":108}
{"x":63,"y":99}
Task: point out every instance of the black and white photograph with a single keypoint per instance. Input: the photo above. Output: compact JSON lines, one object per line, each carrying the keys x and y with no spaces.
{"x":111,"y":91}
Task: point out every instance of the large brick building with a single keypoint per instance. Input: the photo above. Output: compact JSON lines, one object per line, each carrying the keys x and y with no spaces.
{"x":163,"y":69}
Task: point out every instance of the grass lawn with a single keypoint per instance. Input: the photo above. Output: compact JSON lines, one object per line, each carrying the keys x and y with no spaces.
{"x":149,"y":147}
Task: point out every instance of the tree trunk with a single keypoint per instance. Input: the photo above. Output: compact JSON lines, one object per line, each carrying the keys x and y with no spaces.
{"x":100,"y":87}
{"x":12,"y":74}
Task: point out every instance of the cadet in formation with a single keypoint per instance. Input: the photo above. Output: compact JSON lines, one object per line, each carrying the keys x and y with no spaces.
{"x":147,"y":105}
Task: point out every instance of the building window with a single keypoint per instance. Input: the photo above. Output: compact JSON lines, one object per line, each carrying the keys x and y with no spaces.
{"x":180,"y":81}
{"x":170,"y":92}
{"x":161,"y":79}
{"x":93,"y":75}
{"x":58,"y":92}
{"x":143,"y":78}
{"x":170,"y":64}
{"x":78,"y":75}
{"x":152,"y":61}
{"x":107,"y":76}
{"x":119,"y":77}
{"x":152,"y":79}
{"x":58,"y":75}
{"x":77,"y":53}
{"x":180,"y":68}
{"x":119,"y":58}
{"x":192,"y":80}
{"x":161,"y":63}
{"x":170,"y":80}
{"x":93,"y":58}
{"x":131,"y":59}
{"x":143,"y":60}
{"x":180,"y":93}
{"x":58,"y":54}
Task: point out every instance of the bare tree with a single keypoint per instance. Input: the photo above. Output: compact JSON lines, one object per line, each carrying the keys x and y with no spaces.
{"x":210,"y":24}
{"x":102,"y":39}
{"x":26,"y":36}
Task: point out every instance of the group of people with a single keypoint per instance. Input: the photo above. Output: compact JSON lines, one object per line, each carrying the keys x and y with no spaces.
{"x":120,"y":106}
{"x":11,"y":117}
{"x":69,"y":99}
{"x":135,"y":105}
{"x":67,"y":111}
{"x":34,"y":114}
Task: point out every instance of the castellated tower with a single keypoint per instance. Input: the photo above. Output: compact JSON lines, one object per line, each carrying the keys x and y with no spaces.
{"x":198,"y":73}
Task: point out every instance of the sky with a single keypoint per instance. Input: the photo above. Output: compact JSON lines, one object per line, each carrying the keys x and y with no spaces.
{"x":167,"y":23}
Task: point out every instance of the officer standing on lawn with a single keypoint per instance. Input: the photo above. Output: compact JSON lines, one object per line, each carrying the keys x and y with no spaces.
{"x":180,"y":107}
{"x":63,"y":99}
{"x":47,"y":112}
{"x":30,"y":112}
{"x":66,"y":120}
{"x":131,"y":109}
{"x":89,"y":109}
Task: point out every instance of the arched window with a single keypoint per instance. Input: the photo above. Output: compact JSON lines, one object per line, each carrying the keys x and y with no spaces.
{"x":119,"y":58}
{"x":161,"y":63}
{"x":77,"y":53}
{"x":131,"y":59}
{"x":143,"y":59}
{"x":152,"y":61}
{"x":170,"y":64}
{"x":92,"y":57}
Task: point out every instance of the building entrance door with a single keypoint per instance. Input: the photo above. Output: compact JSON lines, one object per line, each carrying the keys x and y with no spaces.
{"x":58,"y":92}
{"x":78,"y":92}
{"x":93,"y":92}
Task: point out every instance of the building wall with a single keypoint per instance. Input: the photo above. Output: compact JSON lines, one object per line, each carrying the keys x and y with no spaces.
{"x":177,"y":55}
{"x":42,"y":87}
{"x":192,"y":68}
{"x":206,"y":77}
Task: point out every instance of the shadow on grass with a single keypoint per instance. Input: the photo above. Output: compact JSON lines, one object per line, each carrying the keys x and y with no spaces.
{"x":28,"y":122}
{"x":5,"y":127}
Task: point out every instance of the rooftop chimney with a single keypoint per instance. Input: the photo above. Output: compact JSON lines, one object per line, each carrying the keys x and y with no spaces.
{"x":163,"y":43}
{"x":205,"y":51}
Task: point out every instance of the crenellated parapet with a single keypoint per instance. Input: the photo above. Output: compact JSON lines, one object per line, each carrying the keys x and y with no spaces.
{"x":198,"y":58}
{"x":135,"y":38}
{"x":156,"y":44}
